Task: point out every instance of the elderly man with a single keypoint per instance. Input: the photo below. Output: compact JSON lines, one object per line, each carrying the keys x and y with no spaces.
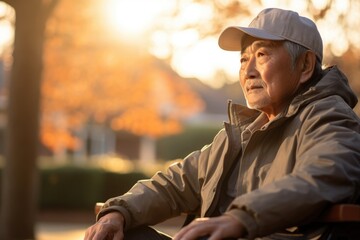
{"x":293,"y":151}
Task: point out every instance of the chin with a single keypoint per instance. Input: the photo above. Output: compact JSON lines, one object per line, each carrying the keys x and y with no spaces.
{"x":255,"y":106}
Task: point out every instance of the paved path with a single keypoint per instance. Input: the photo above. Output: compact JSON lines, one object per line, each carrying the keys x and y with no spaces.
{"x":72,"y":226}
{"x":60,"y":231}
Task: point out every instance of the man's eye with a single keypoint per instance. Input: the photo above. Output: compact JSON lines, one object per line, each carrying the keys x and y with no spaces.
{"x":243,"y":59}
{"x":260,"y":54}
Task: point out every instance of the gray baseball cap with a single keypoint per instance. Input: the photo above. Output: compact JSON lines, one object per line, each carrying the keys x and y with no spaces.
{"x":275,"y":24}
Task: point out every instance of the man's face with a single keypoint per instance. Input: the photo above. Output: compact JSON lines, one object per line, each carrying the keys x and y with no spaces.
{"x":267,"y":75}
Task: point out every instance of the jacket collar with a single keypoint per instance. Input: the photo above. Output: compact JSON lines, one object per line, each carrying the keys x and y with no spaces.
{"x":333,"y":82}
{"x":241,"y":115}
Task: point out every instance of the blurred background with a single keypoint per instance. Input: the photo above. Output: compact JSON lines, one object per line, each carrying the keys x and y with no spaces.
{"x":95,"y":95}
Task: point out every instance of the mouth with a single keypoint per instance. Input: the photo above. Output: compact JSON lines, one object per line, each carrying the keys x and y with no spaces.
{"x":253,"y":88}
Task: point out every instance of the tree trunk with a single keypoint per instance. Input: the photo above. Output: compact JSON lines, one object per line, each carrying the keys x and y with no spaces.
{"x":147,"y":150}
{"x":19,"y":189}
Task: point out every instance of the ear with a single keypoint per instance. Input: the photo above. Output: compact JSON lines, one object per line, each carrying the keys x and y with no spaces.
{"x":308,"y":65}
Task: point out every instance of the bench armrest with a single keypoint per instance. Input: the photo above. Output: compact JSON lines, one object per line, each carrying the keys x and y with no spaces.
{"x":341,"y":213}
{"x":336,"y":213}
{"x":98,"y":207}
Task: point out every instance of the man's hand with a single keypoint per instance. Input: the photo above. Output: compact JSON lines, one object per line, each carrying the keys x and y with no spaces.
{"x":110,"y":226}
{"x":216,"y":228}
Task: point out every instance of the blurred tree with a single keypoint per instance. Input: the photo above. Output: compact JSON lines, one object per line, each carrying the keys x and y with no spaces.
{"x":104,"y":80}
{"x":350,"y":64}
{"x":19,"y":192}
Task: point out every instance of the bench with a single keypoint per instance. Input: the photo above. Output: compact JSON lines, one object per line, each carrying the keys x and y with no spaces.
{"x":98,"y":207}
{"x":341,"y":213}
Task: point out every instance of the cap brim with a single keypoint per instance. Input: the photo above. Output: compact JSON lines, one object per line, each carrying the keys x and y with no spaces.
{"x":230,"y":39}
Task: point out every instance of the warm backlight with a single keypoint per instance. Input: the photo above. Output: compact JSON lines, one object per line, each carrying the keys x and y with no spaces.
{"x":133,"y":17}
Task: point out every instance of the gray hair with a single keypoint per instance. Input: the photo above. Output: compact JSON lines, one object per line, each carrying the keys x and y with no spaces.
{"x":296,"y":50}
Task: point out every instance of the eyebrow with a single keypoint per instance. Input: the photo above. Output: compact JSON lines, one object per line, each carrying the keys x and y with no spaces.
{"x":262,"y":43}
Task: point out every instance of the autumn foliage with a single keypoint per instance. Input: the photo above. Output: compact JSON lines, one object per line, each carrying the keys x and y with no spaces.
{"x":92,"y":77}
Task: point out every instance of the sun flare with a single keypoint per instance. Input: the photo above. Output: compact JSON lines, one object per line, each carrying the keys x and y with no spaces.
{"x":133,"y":17}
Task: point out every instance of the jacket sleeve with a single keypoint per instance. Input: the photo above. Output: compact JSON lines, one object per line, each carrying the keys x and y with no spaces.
{"x":327,"y":170}
{"x":165,"y":195}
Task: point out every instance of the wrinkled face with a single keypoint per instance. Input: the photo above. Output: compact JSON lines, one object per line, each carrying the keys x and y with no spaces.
{"x":267,"y":75}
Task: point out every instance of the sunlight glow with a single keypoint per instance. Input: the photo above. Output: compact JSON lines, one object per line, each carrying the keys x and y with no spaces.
{"x":160,"y":44}
{"x":6,"y":29}
{"x":6,"y":34}
{"x":134,"y":17}
{"x":298,"y":6}
{"x":320,"y":3}
{"x":192,"y":13}
{"x":204,"y":60}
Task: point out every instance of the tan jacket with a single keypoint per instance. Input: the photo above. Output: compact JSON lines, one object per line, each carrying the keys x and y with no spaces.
{"x":290,"y":169}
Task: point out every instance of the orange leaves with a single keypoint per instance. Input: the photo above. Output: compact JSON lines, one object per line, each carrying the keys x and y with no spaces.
{"x":90,"y":77}
{"x":56,"y":136}
{"x":145,"y":121}
{"x":165,"y":101}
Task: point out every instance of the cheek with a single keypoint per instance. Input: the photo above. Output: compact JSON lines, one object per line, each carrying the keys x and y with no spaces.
{"x":274,"y":76}
{"x":277,"y":87}
{"x":241,"y":79}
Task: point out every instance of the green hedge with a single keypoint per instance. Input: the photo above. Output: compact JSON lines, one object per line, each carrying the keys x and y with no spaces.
{"x":191,"y":139}
{"x":72,"y":187}
{"x":75,"y":187}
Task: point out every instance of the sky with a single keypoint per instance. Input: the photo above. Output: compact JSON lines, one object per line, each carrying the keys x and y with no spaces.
{"x":192,"y":56}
